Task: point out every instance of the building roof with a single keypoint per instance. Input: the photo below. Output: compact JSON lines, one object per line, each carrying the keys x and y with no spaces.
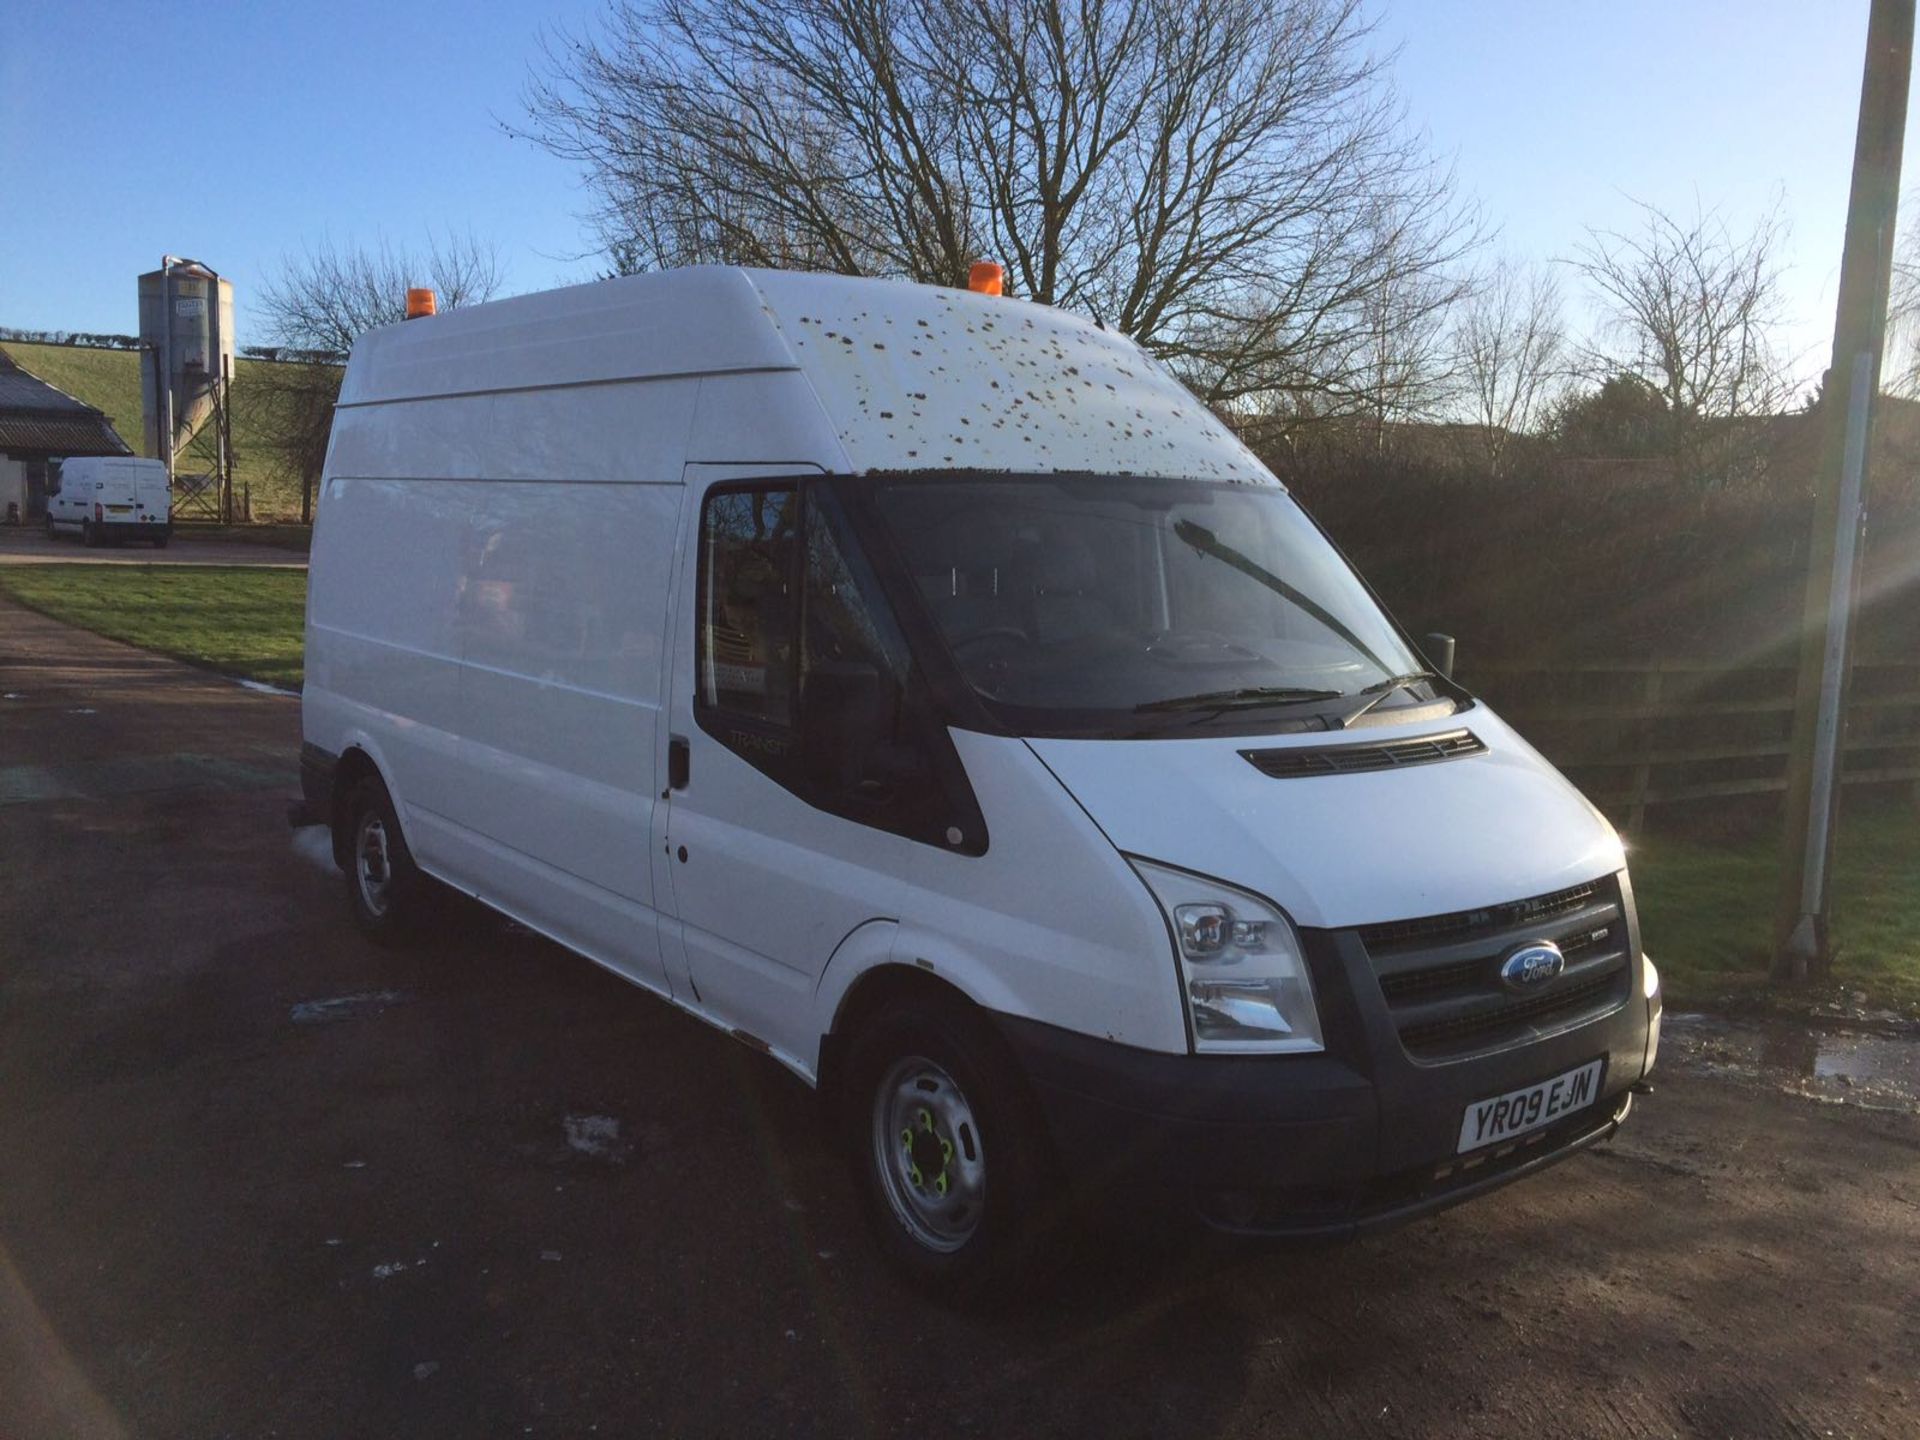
{"x":36,"y":416}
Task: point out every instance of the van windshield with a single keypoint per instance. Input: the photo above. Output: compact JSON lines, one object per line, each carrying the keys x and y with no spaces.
{"x":1095,"y":605}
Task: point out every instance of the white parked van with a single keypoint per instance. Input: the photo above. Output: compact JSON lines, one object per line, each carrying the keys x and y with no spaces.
{"x":110,"y":498}
{"x":924,"y":688}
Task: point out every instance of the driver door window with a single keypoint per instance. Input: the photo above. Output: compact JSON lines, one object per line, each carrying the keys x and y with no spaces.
{"x":800,"y":669}
{"x":749,"y":546}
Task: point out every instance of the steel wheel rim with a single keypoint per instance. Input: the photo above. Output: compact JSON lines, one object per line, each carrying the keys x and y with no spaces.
{"x":373,"y":865}
{"x":927,"y":1150}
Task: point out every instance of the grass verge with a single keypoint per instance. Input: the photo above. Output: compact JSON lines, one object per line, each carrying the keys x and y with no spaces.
{"x":236,"y":619}
{"x":1706,"y":910}
{"x":285,"y":535}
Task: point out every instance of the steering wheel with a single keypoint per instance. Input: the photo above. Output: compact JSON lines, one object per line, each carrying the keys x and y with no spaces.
{"x":997,"y":632}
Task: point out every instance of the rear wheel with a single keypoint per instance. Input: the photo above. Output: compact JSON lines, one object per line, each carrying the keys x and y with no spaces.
{"x":160,"y":540}
{"x":948,"y":1150}
{"x":89,"y":536}
{"x":385,"y":889}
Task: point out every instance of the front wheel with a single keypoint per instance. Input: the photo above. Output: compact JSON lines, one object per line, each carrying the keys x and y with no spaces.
{"x":948,"y":1150}
{"x":52,"y":534}
{"x":385,"y":889}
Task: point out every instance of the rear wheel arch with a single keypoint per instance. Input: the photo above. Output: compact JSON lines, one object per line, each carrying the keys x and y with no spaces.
{"x":354,"y":766}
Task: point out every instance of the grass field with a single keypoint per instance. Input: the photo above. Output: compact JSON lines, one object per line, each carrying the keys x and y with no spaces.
{"x":1706,"y":911}
{"x":109,"y":380}
{"x":240,"y":620}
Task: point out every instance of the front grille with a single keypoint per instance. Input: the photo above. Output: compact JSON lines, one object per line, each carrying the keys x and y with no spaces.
{"x":1433,"y":928}
{"x":1440,"y":975}
{"x":1294,"y":762}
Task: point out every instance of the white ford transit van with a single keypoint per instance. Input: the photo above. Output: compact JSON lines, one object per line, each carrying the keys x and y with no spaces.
{"x":110,"y":498}
{"x":924,"y":688}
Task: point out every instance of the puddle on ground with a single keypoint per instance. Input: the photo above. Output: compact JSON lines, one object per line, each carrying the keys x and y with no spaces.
{"x":343,"y":1007}
{"x":1878,"y":1071}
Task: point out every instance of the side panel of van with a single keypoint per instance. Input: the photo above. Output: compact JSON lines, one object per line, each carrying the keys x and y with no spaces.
{"x":382,"y":656}
{"x":546,"y":522}
{"x":561,"y":625}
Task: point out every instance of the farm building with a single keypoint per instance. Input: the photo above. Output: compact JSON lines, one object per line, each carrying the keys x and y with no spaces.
{"x":39,"y":424}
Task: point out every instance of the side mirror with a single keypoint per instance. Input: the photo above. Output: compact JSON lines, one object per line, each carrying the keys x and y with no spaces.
{"x":1439,"y":650}
{"x":843,"y":719}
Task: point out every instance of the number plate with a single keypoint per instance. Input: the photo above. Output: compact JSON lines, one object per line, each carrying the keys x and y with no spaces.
{"x":1515,"y":1113}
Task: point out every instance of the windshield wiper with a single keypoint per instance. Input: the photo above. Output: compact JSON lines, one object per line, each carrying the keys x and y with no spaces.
{"x":1379,"y":691}
{"x":1246,"y":695}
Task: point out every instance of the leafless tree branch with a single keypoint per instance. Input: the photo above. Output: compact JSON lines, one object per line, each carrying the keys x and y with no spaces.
{"x":1510,"y":342}
{"x":1694,"y":307}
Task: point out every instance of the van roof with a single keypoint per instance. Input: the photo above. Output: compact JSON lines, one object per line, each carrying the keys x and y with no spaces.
{"x":910,"y":376}
{"x":112,"y":462}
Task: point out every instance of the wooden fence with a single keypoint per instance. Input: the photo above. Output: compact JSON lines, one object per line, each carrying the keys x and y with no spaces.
{"x":1637,"y":734}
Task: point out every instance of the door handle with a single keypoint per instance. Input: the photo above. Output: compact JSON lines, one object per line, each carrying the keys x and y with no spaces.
{"x":679,"y":762}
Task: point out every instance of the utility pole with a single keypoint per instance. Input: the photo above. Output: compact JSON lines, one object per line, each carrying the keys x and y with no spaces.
{"x":1801,"y":940}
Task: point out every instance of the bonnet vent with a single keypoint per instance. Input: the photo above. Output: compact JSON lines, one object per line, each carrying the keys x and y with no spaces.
{"x":1296,"y":762}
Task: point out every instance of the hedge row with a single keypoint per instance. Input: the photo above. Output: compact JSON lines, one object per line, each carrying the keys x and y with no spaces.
{"x":1598,"y":561}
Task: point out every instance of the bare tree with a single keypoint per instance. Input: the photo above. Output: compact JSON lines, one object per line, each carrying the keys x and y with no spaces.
{"x":1695,"y":307}
{"x":1208,"y":176}
{"x":323,"y":300}
{"x":1405,"y":369}
{"x":1900,"y":374}
{"x":315,"y":308}
{"x":1510,"y":341}
{"x":288,"y":405}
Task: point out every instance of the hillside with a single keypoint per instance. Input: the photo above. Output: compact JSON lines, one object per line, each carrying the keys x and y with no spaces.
{"x":110,"y":381}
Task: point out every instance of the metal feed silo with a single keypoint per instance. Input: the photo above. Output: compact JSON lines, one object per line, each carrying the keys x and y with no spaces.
{"x":186,"y":342}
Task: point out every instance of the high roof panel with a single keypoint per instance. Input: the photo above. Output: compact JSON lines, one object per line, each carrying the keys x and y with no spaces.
{"x":911,"y":377}
{"x":636,"y":327}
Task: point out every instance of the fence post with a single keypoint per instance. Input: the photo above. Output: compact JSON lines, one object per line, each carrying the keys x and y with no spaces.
{"x":1643,"y":772}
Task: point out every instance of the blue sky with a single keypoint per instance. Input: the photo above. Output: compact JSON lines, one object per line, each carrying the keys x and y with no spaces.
{"x":244,"y":131}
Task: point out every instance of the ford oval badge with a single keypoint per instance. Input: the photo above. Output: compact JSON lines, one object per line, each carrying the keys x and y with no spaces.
{"x":1532,"y":964}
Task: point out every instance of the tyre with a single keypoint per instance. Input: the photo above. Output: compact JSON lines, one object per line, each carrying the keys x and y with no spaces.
{"x":160,"y":541}
{"x":89,"y":536}
{"x":385,"y":890}
{"x":949,"y":1152}
{"x":52,"y":534}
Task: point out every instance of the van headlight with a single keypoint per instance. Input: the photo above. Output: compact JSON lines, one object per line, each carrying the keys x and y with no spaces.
{"x":1242,"y":973}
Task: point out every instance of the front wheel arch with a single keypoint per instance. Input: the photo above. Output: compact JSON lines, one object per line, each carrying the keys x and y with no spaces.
{"x":871,"y":995}
{"x":906,"y":1021}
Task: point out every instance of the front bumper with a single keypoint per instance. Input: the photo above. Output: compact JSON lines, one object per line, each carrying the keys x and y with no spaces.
{"x":1359,"y":1138}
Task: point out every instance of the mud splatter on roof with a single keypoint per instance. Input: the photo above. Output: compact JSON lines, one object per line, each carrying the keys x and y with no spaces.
{"x":1053,"y":392}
